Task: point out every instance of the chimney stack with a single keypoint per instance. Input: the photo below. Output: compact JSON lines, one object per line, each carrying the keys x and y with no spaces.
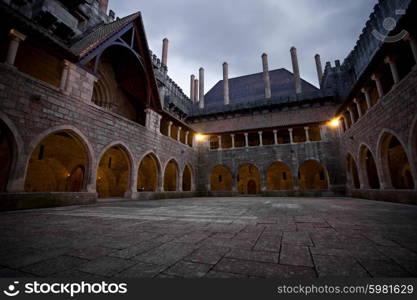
{"x":192,"y":88}
{"x":296,"y":70}
{"x":104,"y":5}
{"x":165,"y":51}
{"x":196,"y":90}
{"x":201,"y":89}
{"x":267,"y":82}
{"x":319,"y":68}
{"x":226,"y":83}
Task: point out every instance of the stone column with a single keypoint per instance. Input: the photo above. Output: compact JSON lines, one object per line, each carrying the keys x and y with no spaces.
{"x":296,"y":71}
{"x":196,"y":95}
{"x":345,"y":121}
{"x":246,"y":140}
{"x":169,"y":128}
{"x":378,"y":84}
{"x":275,"y":137}
{"x":267,"y":82}
{"x":413,"y":44}
{"x":358,"y":106}
{"x":201,"y":90}
{"x":307,"y":134}
{"x":179,"y":134}
{"x":187,"y":133}
{"x":192,"y":94}
{"x":394,"y":70}
{"x":226,"y":99}
{"x":165,"y":51}
{"x":352,"y":119}
{"x":233,"y":140}
{"x":15,"y":38}
{"x":290,"y":130}
{"x":260,"y":138}
{"x":219,"y":138}
{"x":64,"y":76}
{"x":319,"y":68}
{"x":367,"y":97}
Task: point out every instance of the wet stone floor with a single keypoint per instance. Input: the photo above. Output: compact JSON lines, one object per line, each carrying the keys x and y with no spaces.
{"x":212,"y":237}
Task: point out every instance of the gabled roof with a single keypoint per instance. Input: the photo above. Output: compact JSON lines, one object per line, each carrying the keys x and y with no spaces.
{"x":251,"y":87}
{"x":100,"y":34}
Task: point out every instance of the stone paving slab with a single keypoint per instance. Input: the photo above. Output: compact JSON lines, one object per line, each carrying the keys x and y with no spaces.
{"x":248,"y":237}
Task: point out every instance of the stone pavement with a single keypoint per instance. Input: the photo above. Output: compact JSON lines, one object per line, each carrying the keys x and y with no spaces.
{"x":212,"y":237}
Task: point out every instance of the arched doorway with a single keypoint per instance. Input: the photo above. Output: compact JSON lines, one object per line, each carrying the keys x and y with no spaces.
{"x":221,"y":179}
{"x":171,"y":176}
{"x":113,"y":173}
{"x":54,"y":162}
{"x":186,"y":179}
{"x":279,"y":177}
{"x":312,"y":176}
{"x":353,"y":172}
{"x":395,"y":164}
{"x":6,"y":155}
{"x":148,"y":174}
{"x":368,"y":168}
{"x":246,"y":174}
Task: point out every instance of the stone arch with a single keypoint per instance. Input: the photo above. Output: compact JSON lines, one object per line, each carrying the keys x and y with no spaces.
{"x":368,"y":168}
{"x":115,"y":171}
{"x":60,"y":161}
{"x":279,"y":177}
{"x":171,"y":175}
{"x":312,"y":175}
{"x":149,"y":173}
{"x":352,"y":172}
{"x":394,"y":161}
{"x":10,"y":152}
{"x":248,"y":179}
{"x":187,"y":178}
{"x":221,"y":179}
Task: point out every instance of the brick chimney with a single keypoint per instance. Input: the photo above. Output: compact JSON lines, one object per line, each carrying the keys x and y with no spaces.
{"x":104,"y":5}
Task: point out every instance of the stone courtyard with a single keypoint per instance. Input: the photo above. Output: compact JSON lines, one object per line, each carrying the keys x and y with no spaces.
{"x":212,"y":237}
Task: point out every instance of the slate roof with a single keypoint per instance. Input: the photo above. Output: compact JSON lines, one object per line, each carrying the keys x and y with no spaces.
{"x":99,"y":34}
{"x":251,"y":87}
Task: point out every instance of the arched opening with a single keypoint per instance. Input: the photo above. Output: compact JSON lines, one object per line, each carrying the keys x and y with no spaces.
{"x":148,"y":174}
{"x":368,"y":167}
{"x":353,"y":172}
{"x":122,"y":86}
{"x":221,"y":179}
{"x":279,"y":177}
{"x":312,"y":176}
{"x":246,"y":174}
{"x":57,"y":164}
{"x":6,"y":155}
{"x":186,"y":179}
{"x":113,"y":173}
{"x":171,"y":176}
{"x":395,"y":164}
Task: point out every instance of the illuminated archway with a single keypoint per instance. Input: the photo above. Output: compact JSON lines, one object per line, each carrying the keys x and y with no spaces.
{"x":312,"y":176}
{"x":248,"y":179}
{"x":148,"y":174}
{"x":396,"y":168}
{"x":113,"y":173}
{"x":279,"y":177}
{"x":7,"y":152}
{"x":171,"y":176}
{"x":58,"y":163}
{"x":221,"y":179}
{"x":353,"y":172}
{"x":187,"y":179}
{"x":368,"y":168}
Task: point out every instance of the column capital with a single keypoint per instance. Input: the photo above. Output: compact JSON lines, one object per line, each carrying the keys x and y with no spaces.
{"x":246,"y":134}
{"x":170,"y":123}
{"x":259,"y":132}
{"x":389,"y":59}
{"x":179,"y":127}
{"x":365,"y":90}
{"x":355,"y":101}
{"x":187,"y":132}
{"x":274,"y":131}
{"x":13,"y":33}
{"x":375,"y":76}
{"x":290,"y":129}
{"x":232,"y":134}
{"x":306,"y":128}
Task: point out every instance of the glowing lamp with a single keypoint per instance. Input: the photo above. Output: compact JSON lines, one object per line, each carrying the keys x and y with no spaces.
{"x":199,"y":137}
{"x":334,"y":122}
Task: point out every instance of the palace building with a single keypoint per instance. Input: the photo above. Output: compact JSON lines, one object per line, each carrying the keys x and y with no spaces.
{"x":87,"y":111}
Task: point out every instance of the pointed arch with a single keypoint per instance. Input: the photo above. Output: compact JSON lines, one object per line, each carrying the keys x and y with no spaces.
{"x":248,"y":179}
{"x":368,"y":168}
{"x":171,"y":175}
{"x":187,"y":178}
{"x":149,"y":173}
{"x":221,"y":179}
{"x":312,"y":175}
{"x":279,"y":177}
{"x":352,"y":172}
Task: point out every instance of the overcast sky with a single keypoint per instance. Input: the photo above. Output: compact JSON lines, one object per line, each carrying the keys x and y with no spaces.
{"x":207,"y":33}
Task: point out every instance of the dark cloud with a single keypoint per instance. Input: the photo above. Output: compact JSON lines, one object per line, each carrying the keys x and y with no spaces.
{"x":207,"y":33}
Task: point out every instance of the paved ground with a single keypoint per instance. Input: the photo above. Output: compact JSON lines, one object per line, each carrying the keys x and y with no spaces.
{"x":212,"y":237}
